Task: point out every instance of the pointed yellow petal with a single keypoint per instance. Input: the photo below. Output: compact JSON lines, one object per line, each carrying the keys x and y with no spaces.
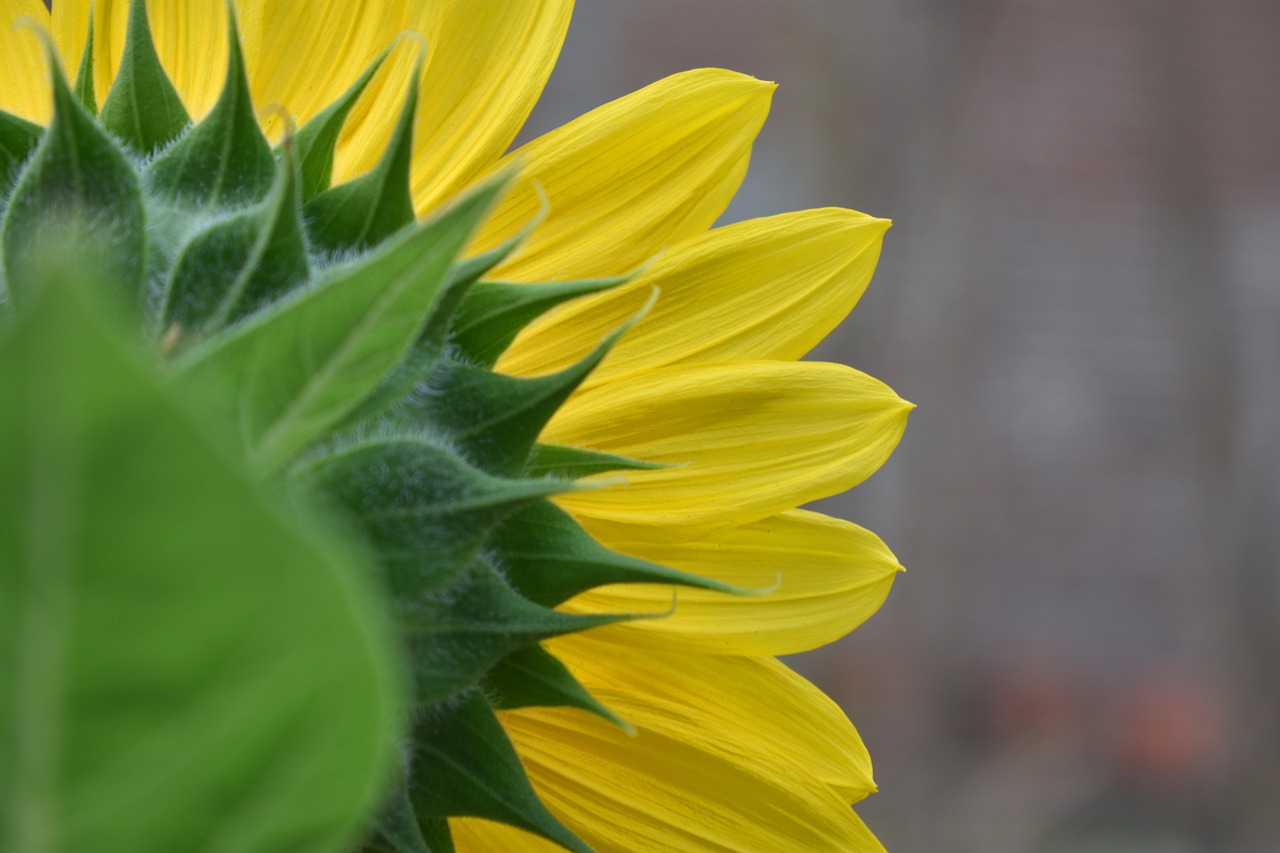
{"x":69,"y":25}
{"x":766,"y":289}
{"x":24,"y":72}
{"x":486,"y":64}
{"x":473,"y":835}
{"x":747,"y":440}
{"x":655,"y":793}
{"x":826,"y":578}
{"x":632,"y":177}
{"x":489,"y":62}
{"x":725,"y":706}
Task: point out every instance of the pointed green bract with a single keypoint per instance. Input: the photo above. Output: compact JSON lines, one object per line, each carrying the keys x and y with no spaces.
{"x":18,"y":138}
{"x":317,"y":140}
{"x":494,"y":419}
{"x":241,"y":264}
{"x":574,"y":463}
{"x":424,"y":510}
{"x":84,"y":76}
{"x":458,"y":636}
{"x":495,"y":312}
{"x":428,"y":350}
{"x":183,"y":659}
{"x":549,"y":558}
{"x":398,"y":830}
{"x":142,"y":108}
{"x":225,"y":161}
{"x":451,"y":781}
{"x":361,"y":214}
{"x":297,"y":369}
{"x":534,"y":678}
{"x":80,"y":196}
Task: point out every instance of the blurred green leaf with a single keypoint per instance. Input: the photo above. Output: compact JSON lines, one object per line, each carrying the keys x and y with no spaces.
{"x":183,"y":664}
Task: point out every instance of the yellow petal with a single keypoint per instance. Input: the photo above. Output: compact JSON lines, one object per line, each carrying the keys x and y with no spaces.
{"x":766,"y":289}
{"x":655,"y":792}
{"x":473,"y":835}
{"x":485,"y":66}
{"x":830,"y":576}
{"x":24,"y":72}
{"x":725,"y":706}
{"x":746,"y":440}
{"x":632,"y":177}
{"x":488,"y":64}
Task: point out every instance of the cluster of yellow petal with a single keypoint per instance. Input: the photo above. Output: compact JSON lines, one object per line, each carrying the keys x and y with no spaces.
{"x":733,"y":751}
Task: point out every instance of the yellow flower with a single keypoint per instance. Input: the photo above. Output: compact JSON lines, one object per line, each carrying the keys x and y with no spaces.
{"x":732,"y":751}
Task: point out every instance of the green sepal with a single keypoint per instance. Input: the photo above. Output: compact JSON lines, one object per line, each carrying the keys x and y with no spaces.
{"x":364,"y":212}
{"x":241,"y":264}
{"x":455,"y":637}
{"x":296,"y":369}
{"x":435,"y":831}
{"x":398,"y":829}
{"x":465,"y":765}
{"x":420,"y":361}
{"x":494,"y":312}
{"x":493,"y":418}
{"x":84,"y":76}
{"x":532,"y":677}
{"x":18,"y":138}
{"x":318,"y":138}
{"x":142,"y":108}
{"x":574,"y":463}
{"x":224,"y":161}
{"x":548,"y":558}
{"x":423,"y":509}
{"x":79,"y":194}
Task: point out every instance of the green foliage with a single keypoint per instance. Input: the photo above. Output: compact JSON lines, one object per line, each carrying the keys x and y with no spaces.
{"x":211,"y":656}
{"x":215,"y":671}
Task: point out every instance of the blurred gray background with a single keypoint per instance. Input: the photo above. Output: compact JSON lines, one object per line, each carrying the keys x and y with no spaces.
{"x":1082,"y":292}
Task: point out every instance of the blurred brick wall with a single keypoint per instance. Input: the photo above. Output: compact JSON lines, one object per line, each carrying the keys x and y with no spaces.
{"x":1082,"y":291}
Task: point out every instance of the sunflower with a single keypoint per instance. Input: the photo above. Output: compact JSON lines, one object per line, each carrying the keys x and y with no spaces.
{"x":728,"y":749}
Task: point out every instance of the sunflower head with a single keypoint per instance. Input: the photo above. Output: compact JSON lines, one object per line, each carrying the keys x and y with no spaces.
{"x":351,"y":339}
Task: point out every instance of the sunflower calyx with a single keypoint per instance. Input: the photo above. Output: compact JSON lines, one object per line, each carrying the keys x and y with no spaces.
{"x":345,"y":348}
